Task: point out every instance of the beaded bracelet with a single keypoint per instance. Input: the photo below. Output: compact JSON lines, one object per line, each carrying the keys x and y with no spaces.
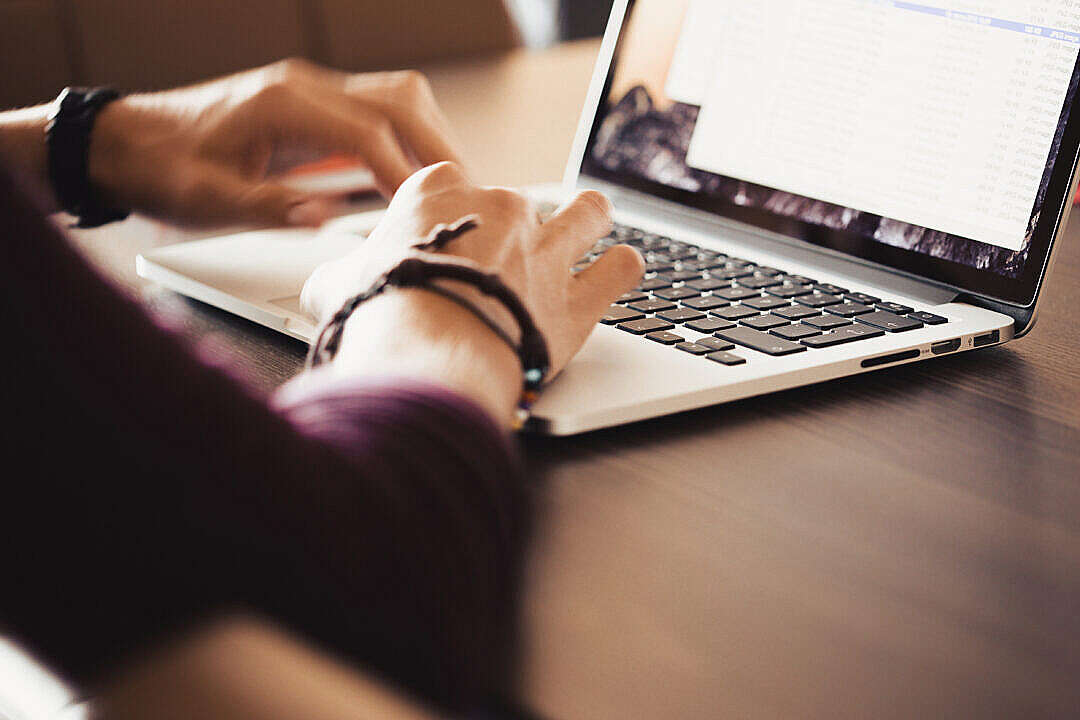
{"x":419,"y":273}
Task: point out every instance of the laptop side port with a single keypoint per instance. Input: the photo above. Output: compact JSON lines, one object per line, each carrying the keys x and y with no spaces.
{"x":887,"y":359}
{"x":987,"y":339}
{"x":945,"y":347}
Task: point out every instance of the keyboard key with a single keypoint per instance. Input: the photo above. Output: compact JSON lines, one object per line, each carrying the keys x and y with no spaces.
{"x":658,"y":266}
{"x":795,"y":332}
{"x":828,"y":322}
{"x":889,"y":321}
{"x":929,"y":318}
{"x":759,"y":282}
{"x":632,"y":296}
{"x":895,"y":308}
{"x":736,"y":312}
{"x":680,"y":293}
{"x":762,"y":342}
{"x":709,"y":325}
{"x":766,"y":303}
{"x":693,"y":348}
{"x":715,"y":344}
{"x":652,"y":306}
{"x":799,"y":280}
{"x":863,"y":298}
{"x":789,"y":291}
{"x":764,"y":322}
{"x":709,"y":302}
{"x":682,"y":275}
{"x":737,"y":293}
{"x":818,"y":300}
{"x":711,"y":283}
{"x":729,"y":273}
{"x":648,"y":325}
{"x":830,"y":289}
{"x":681,"y":252}
{"x":726,"y":358}
{"x":849,"y":309}
{"x":655,"y":283}
{"x":796,"y":312}
{"x":617,"y":314}
{"x":681,"y":315}
{"x":647,"y":241}
{"x":666,"y":338}
{"x":766,"y":270}
{"x":842,"y":336}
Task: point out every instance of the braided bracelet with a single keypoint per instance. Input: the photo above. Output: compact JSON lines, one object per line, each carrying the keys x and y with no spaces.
{"x":418,"y":273}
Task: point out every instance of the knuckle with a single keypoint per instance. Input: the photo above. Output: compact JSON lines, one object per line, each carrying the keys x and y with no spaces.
{"x":444,"y":171}
{"x":275,"y":92}
{"x":413,"y":83}
{"x":292,"y":68}
{"x":507,"y":201}
{"x":597,"y":201}
{"x":439,"y":176}
{"x":280,"y":80}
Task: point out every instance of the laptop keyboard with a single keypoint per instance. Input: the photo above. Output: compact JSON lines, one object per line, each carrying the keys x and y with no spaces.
{"x":725,"y":309}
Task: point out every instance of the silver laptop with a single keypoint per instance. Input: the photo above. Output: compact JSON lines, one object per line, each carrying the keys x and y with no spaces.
{"x":820,"y":189}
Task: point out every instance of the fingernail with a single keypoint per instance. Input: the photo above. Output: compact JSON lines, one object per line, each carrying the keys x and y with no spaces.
{"x":311,"y":213}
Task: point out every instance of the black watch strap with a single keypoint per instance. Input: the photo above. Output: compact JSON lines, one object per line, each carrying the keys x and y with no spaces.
{"x":68,"y":139}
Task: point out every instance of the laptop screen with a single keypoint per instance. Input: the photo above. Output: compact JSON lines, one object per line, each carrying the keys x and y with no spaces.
{"x":919,"y":136}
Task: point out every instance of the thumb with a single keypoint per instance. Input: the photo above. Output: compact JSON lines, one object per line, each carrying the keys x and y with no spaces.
{"x":225,"y":197}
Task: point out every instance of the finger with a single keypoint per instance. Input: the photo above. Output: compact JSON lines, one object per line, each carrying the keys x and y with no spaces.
{"x":220,"y":196}
{"x":337,"y":130}
{"x":425,"y":134}
{"x":406,"y":98}
{"x":581,"y":222}
{"x":618,"y":271}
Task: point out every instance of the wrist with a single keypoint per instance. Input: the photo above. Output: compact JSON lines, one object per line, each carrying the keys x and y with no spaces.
{"x":112,"y":155}
{"x":417,"y":333}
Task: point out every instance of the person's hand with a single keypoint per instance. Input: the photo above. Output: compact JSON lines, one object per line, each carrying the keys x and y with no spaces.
{"x":419,"y":333}
{"x":206,"y":154}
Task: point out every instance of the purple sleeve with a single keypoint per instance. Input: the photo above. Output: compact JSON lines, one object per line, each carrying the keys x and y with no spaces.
{"x":145,"y":491}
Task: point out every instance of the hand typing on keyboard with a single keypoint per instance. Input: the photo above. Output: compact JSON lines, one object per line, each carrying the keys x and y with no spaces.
{"x":419,"y":333}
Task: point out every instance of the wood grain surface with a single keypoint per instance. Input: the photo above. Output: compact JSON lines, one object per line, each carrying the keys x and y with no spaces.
{"x":899,"y":544}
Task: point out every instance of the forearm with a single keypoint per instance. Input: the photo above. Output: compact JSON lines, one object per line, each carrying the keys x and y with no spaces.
{"x":22,"y":140}
{"x":383,"y":521}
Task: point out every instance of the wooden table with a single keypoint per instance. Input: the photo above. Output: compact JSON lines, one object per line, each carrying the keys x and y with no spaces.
{"x":901,"y":544}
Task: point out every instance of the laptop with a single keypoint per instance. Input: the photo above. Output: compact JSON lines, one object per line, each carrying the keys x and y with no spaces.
{"x":819,"y":189}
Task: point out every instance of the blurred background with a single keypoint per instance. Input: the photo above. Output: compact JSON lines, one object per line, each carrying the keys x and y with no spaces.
{"x":147,"y":44}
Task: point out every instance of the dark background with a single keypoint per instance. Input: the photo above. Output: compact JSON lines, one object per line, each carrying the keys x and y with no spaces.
{"x":583,"y":18}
